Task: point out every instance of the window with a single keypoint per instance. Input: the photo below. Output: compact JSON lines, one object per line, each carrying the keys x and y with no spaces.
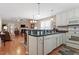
{"x":46,"y":24}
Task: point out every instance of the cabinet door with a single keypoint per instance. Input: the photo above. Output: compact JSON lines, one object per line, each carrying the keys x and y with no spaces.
{"x":77,"y":12}
{"x":61,"y":19}
{"x":49,"y":44}
{"x":40,"y":46}
{"x":58,"y":20}
{"x":71,"y":13}
{"x":58,"y":43}
{"x":32,"y":45}
{"x":59,"y":39}
{"x":64,"y":20}
{"x":63,"y":38}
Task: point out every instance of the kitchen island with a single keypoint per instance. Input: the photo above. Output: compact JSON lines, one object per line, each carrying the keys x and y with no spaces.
{"x":43,"y":44}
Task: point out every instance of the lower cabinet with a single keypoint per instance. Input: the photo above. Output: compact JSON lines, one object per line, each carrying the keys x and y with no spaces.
{"x":32,"y":45}
{"x":59,"y":39}
{"x":49,"y":43}
{"x":64,"y":38}
{"x":40,"y":45}
{"x":45,"y":44}
{"x":36,"y":45}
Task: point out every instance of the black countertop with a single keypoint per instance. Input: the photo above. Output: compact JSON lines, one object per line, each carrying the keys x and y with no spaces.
{"x":39,"y":33}
{"x":46,"y":34}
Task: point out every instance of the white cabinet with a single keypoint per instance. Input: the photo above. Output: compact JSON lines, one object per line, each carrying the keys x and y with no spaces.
{"x":71,"y":13}
{"x":64,"y":20}
{"x":61,"y":19}
{"x":36,"y":45}
{"x":40,"y":45}
{"x":64,"y":38}
{"x":73,"y":16}
{"x":45,"y":44}
{"x":49,"y":43}
{"x":59,"y":39}
{"x":74,"y":31}
{"x":58,"y":20}
{"x":32,"y":45}
{"x":77,"y":12}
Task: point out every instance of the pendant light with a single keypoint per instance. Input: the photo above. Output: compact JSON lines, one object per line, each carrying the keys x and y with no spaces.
{"x":38,"y":15}
{"x":51,"y":18}
{"x":33,"y":18}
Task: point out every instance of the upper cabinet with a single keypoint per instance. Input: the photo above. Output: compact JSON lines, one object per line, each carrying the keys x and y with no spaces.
{"x":73,"y":16}
{"x":64,"y":19}
{"x":58,"y":20}
{"x":73,"y":13}
{"x":61,"y":19}
{"x":70,"y":13}
{"x":77,"y":12}
{"x":67,"y":17}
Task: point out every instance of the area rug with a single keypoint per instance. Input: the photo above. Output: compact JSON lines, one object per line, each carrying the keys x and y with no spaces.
{"x":68,"y":51}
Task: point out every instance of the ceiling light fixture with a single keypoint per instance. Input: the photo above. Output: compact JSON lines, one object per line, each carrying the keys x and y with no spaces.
{"x":38,"y":15}
{"x":51,"y":18}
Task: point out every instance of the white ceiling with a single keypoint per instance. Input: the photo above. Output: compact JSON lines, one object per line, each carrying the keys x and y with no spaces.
{"x":26,"y":10}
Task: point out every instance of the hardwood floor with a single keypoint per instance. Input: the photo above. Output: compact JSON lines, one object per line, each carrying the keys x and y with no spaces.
{"x":17,"y":47}
{"x":14,"y":47}
{"x":55,"y":51}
